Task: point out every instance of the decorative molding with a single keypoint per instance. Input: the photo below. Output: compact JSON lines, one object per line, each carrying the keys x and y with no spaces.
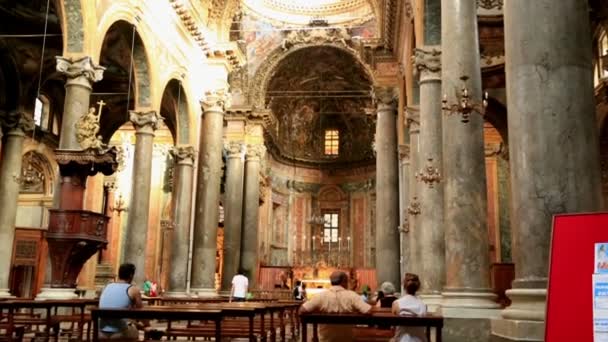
{"x":427,"y":61}
{"x":490,"y":4}
{"x":144,"y":120}
{"x":84,"y":67}
{"x":215,"y":101}
{"x":317,"y":36}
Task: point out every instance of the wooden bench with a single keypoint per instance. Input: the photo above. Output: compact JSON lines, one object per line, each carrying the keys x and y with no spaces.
{"x":384,"y":318}
{"x":169,"y":314}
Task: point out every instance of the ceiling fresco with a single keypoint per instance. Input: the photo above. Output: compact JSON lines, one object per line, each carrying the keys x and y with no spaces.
{"x":315,"y":89}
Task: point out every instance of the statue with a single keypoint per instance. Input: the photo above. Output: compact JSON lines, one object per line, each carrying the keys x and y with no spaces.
{"x":87,"y":129}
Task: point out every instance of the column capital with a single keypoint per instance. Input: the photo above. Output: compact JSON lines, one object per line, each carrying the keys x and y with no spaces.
{"x":386,"y":98}
{"x":215,"y":101}
{"x":183,"y":154}
{"x":234,"y":149}
{"x":427,"y":61}
{"x":255,"y":152}
{"x":412,"y":117}
{"x":81,"y":71}
{"x":16,"y":123}
{"x":145,"y":122}
{"x":404,"y":152}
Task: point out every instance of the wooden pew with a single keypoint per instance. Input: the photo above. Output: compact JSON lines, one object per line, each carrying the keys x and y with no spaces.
{"x":375,"y":318}
{"x":159,"y":313}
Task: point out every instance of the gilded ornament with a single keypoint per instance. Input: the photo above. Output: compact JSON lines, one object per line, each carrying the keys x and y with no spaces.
{"x":87,"y":128}
{"x":430,"y":174}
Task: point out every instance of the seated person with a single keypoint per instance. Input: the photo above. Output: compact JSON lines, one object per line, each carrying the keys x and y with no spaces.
{"x":388,"y":290}
{"x":410,"y":305}
{"x":336,"y":299}
{"x":120,"y":295}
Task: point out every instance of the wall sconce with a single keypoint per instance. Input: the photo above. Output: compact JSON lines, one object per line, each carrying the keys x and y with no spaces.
{"x":119,"y":205}
{"x":465,"y":106}
{"x":429,"y":174}
{"x":414,"y":207}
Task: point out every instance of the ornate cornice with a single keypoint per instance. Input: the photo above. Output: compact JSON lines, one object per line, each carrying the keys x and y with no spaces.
{"x":215,"y":101}
{"x":145,"y":121}
{"x":427,"y":61}
{"x":183,"y":154}
{"x":82,"y":67}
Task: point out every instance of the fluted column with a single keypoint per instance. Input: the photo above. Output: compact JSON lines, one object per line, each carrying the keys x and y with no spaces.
{"x":15,"y":124}
{"x":81,"y":74}
{"x":145,"y":124}
{"x":387,"y":188}
{"x":208,"y":194}
{"x":553,"y":146}
{"x":182,"y":207}
{"x":431,"y":238}
{"x":467,"y":291}
{"x":233,"y":211}
{"x":413,"y":205}
{"x":251,"y":210}
{"x":404,"y":193}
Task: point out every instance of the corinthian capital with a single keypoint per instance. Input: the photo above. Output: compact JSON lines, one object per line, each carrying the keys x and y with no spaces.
{"x":145,"y":121}
{"x":183,"y":154}
{"x":234,"y":149}
{"x":82,"y":67}
{"x":386,"y":98}
{"x":215,"y":101}
{"x":16,"y":121}
{"x":404,"y":152}
{"x":255,"y":152}
{"x":427,"y":61}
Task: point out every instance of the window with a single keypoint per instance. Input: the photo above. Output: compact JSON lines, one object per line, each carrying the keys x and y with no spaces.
{"x":602,"y":64}
{"x":330,"y":227}
{"x":332,"y":141}
{"x":43,"y":117}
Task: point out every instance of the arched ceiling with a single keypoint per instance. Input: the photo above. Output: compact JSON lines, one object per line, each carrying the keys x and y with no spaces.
{"x":315,"y":89}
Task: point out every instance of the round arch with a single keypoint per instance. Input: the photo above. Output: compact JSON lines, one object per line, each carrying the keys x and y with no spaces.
{"x":175,"y":109}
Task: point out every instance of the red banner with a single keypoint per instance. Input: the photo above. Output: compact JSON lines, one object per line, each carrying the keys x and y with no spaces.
{"x":569,"y":295}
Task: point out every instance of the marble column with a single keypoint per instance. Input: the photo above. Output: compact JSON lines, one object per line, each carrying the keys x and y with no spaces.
{"x":233,"y":211}
{"x":81,"y":74}
{"x":413,"y":206}
{"x":182,"y":207}
{"x":431,"y":238}
{"x":145,"y":124}
{"x":208,"y":194}
{"x":387,"y":188}
{"x":15,"y":124}
{"x":467,"y":291}
{"x":553,"y":142}
{"x":404,"y":193}
{"x":251,"y":210}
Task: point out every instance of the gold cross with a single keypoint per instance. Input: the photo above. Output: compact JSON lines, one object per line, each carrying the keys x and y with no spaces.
{"x":101,"y":104}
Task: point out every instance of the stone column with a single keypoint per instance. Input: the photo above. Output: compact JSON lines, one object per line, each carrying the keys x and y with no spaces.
{"x":145,"y":124}
{"x":233,"y":212}
{"x":15,"y":124}
{"x":387,"y":188}
{"x":404,"y":193}
{"x":251,"y":210}
{"x":431,"y":238}
{"x":467,"y":292}
{"x":208,"y":194}
{"x":182,"y":207}
{"x":553,"y":146}
{"x":81,"y":74}
{"x":413,"y":206}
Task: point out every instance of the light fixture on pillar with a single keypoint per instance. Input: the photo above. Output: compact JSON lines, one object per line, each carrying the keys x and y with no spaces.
{"x":414,"y":207}
{"x":465,"y":105}
{"x":119,"y":205}
{"x":430,"y":174}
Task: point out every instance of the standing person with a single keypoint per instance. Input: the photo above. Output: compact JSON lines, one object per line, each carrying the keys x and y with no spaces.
{"x":336,"y":299}
{"x":410,"y":305}
{"x":240,"y":285}
{"x":121,"y":295}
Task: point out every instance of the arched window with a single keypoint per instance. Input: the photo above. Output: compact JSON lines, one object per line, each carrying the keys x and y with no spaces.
{"x":601,"y":67}
{"x":44,"y":118}
{"x":332,"y":142}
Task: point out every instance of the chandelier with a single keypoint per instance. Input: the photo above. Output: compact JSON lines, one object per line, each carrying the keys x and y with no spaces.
{"x":465,"y":105}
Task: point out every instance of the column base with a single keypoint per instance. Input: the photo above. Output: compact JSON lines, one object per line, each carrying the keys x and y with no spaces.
{"x":176,"y":294}
{"x":56,"y":293}
{"x":470,"y":305}
{"x":203,"y":293}
{"x":6,"y":293}
{"x":524,"y":320}
{"x":433,"y":301}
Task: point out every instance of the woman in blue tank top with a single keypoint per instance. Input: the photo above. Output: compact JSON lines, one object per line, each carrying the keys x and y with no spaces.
{"x":120,"y":295}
